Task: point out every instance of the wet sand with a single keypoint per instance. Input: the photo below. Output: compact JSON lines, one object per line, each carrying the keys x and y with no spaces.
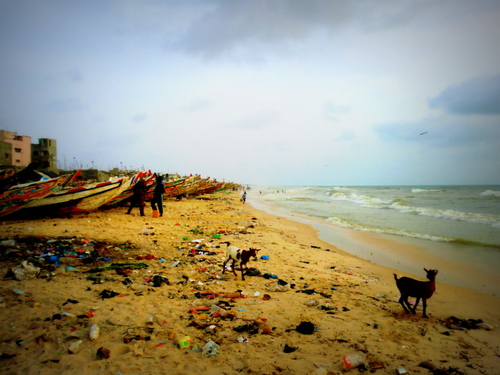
{"x":459,"y":267}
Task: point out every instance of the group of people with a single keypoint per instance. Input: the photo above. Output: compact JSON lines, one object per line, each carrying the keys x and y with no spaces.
{"x":140,"y":192}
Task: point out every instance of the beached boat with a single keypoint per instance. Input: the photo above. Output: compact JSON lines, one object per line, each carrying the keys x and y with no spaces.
{"x":84,"y":198}
{"x":27,"y":195}
{"x":215,"y":186}
{"x":189,"y":185}
{"x":127,"y":192}
{"x":10,"y":179}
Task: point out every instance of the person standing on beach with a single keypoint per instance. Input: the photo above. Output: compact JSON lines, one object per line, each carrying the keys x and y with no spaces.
{"x":139,"y":197}
{"x":244,"y":197}
{"x":158,"y":195}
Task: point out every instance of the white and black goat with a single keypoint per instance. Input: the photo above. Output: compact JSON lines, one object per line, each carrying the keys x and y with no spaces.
{"x":238,"y":255}
{"x":418,"y":289}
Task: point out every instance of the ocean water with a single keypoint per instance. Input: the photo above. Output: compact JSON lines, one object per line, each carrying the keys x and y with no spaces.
{"x":459,"y":223}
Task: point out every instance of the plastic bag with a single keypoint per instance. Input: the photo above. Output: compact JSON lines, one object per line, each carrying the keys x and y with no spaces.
{"x":25,"y":271}
{"x":211,"y":349}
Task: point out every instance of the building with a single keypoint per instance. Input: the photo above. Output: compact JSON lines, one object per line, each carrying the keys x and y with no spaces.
{"x":19,"y":152}
{"x":46,"y":153}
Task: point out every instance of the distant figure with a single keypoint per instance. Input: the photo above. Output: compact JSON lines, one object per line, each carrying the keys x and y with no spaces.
{"x":244,"y":197}
{"x":158,"y":195}
{"x":139,"y":197}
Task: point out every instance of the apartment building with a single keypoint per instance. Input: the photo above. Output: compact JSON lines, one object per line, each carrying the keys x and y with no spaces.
{"x":45,"y":152}
{"x":18,"y":151}
{"x":18,"y":154}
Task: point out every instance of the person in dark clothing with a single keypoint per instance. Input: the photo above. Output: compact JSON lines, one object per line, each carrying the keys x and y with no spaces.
{"x":139,"y":197}
{"x":158,"y":195}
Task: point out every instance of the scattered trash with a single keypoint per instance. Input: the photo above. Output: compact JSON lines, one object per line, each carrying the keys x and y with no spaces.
{"x":306,"y":328}
{"x":108,"y":294}
{"x":289,"y":349}
{"x":264,"y":257}
{"x":280,"y":286}
{"x":25,"y":271}
{"x":184,"y":342}
{"x":94,"y":332}
{"x":74,"y":347}
{"x":211,"y":349}
{"x":354,"y":360}
{"x":8,"y":243}
{"x":375,"y":365}
{"x":103,"y":353}
{"x":463,"y":324}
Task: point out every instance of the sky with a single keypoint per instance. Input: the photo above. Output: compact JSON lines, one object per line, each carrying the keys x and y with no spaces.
{"x":282,"y":92}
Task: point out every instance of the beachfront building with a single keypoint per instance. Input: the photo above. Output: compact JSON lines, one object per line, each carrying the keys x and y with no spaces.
{"x":46,"y":153}
{"x":16,"y":149}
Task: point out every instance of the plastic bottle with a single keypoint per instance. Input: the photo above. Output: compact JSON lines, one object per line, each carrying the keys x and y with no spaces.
{"x":354,"y":360}
{"x":94,"y":332}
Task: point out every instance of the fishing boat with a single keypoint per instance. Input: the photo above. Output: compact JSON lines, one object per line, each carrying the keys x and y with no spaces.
{"x":27,"y":195}
{"x":81,"y":199}
{"x":127,"y":192}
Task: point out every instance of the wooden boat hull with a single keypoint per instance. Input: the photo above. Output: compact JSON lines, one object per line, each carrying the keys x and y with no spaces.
{"x":27,"y":195}
{"x":81,"y":199}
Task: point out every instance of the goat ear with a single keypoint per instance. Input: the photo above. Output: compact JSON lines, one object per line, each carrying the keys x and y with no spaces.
{"x":436,"y":272}
{"x":425,"y":269}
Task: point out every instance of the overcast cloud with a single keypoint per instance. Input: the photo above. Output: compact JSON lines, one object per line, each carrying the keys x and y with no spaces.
{"x":262,"y":92}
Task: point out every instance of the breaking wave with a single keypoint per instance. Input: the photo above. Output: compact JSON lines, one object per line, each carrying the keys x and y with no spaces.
{"x":491,"y":193}
{"x":405,"y":206}
{"x":424,"y":190}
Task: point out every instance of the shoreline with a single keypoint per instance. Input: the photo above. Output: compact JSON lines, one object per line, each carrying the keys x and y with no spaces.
{"x":398,"y":253}
{"x":351,"y":303}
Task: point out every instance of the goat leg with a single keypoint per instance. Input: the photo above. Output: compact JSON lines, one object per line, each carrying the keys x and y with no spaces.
{"x":234,"y":268}
{"x":417,"y":301}
{"x":402,"y":301}
{"x":224,"y":267}
{"x":424,"y":302}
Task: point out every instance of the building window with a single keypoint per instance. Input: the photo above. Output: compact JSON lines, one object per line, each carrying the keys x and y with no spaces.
{"x":17,"y":149}
{"x":18,"y":161}
{"x":35,"y":153}
{"x":7,"y":156}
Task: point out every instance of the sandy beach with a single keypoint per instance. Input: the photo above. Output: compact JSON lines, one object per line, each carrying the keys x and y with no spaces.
{"x":153,"y":281}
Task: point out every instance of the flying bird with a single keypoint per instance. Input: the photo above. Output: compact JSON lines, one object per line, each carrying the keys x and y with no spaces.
{"x":423,"y":133}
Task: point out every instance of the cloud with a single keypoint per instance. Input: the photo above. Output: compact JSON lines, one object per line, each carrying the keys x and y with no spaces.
{"x":232,"y":27}
{"x":477,"y":96}
{"x":227,"y":26}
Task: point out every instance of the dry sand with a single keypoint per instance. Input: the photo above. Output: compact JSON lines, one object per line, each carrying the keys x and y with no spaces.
{"x":351,"y":303}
